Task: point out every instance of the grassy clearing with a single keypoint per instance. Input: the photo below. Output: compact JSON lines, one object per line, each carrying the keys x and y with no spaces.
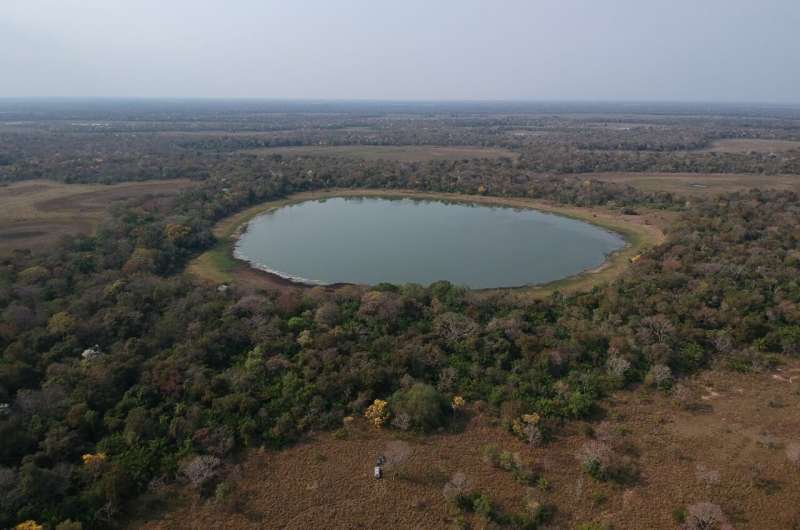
{"x":412,"y":153}
{"x":727,"y":438}
{"x":640,"y":231}
{"x":36,"y":213}
{"x":216,"y":265}
{"x":701,"y":184}
{"x":752,"y":145}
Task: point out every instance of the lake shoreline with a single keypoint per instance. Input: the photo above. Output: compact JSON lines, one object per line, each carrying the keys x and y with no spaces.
{"x":635,"y":230}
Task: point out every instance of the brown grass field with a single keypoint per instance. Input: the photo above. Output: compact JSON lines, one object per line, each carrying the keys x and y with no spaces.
{"x":700,"y":184}
{"x":733,"y":443}
{"x":641,"y":232}
{"x":36,"y":213}
{"x":747,"y":145}
{"x":411,"y":153}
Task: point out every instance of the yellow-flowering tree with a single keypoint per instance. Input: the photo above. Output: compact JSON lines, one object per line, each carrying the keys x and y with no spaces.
{"x":527,"y":427}
{"x":93,"y":459}
{"x":29,"y":525}
{"x":378,"y":413}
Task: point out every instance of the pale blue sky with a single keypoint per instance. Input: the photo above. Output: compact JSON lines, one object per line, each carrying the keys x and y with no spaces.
{"x":707,"y":50}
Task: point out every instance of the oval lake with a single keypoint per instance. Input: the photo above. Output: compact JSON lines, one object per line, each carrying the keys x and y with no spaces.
{"x":372,"y":240}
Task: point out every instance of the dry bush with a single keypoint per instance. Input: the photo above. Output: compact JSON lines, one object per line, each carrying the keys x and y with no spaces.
{"x":396,"y":452}
{"x":217,"y":441}
{"x":706,"y":475}
{"x":617,"y":366}
{"x":705,"y":516}
{"x":595,"y":457}
{"x":793,"y":453}
{"x":454,"y":327}
{"x":457,"y":485}
{"x":599,"y":459}
{"x":380,"y":305}
{"x":660,"y":375}
{"x":201,"y":470}
{"x":327,"y":315}
{"x":684,"y":397}
{"x":533,"y":435}
{"x":511,"y":326}
{"x":401,"y":421}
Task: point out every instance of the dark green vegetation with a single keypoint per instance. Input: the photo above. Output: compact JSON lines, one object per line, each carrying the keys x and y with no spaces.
{"x":425,"y":408}
{"x":479,"y":503}
{"x":183,"y":369}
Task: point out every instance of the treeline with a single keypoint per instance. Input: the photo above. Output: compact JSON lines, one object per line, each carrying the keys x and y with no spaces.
{"x":120,"y":372}
{"x":534,"y":160}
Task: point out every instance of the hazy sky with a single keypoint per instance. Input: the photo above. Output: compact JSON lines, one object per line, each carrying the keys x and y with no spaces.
{"x":708,"y":50}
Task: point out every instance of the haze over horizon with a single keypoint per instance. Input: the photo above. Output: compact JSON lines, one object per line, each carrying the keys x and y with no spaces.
{"x":720,"y":51}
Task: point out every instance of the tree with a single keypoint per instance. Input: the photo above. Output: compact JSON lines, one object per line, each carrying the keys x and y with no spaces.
{"x":61,"y":323}
{"x":426,"y":408}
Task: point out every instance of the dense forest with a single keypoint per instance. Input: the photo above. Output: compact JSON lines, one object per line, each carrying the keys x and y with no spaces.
{"x":109,"y":350}
{"x":119,"y":371}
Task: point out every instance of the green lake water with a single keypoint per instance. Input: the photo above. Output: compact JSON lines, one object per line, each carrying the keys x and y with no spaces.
{"x":373,"y":240}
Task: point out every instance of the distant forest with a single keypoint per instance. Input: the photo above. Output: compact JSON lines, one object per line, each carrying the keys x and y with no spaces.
{"x":112,"y":141}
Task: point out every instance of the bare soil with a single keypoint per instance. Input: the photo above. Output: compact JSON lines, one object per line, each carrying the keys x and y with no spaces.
{"x":751,"y":145}
{"x":701,"y":184}
{"x":734,"y":442}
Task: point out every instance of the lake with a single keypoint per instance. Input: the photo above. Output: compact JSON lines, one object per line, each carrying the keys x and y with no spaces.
{"x":373,"y":240}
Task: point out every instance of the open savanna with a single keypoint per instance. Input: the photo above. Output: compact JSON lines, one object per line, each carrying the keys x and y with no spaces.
{"x":752,"y":145}
{"x":409,"y":153}
{"x":700,"y":184}
{"x":36,"y":213}
{"x":726,"y":438}
{"x":641,"y":231}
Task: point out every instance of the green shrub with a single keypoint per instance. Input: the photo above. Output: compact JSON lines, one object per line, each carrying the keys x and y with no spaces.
{"x":543,"y":484}
{"x":506,"y":461}
{"x":475,"y":502}
{"x":223,"y":491}
{"x":491,"y":455}
{"x":482,"y":505}
{"x":595,"y":470}
{"x":425,"y":406}
{"x":297,"y":323}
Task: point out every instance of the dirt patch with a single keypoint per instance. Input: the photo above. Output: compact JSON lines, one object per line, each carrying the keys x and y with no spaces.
{"x":701,"y":184}
{"x":36,"y":214}
{"x":734,"y":454}
{"x":328,"y":483}
{"x":26,"y":189}
{"x":99,"y":200}
{"x":752,"y":145}
{"x":412,"y":153}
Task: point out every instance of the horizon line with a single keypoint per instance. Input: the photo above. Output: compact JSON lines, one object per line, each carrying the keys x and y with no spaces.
{"x":281,"y":99}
